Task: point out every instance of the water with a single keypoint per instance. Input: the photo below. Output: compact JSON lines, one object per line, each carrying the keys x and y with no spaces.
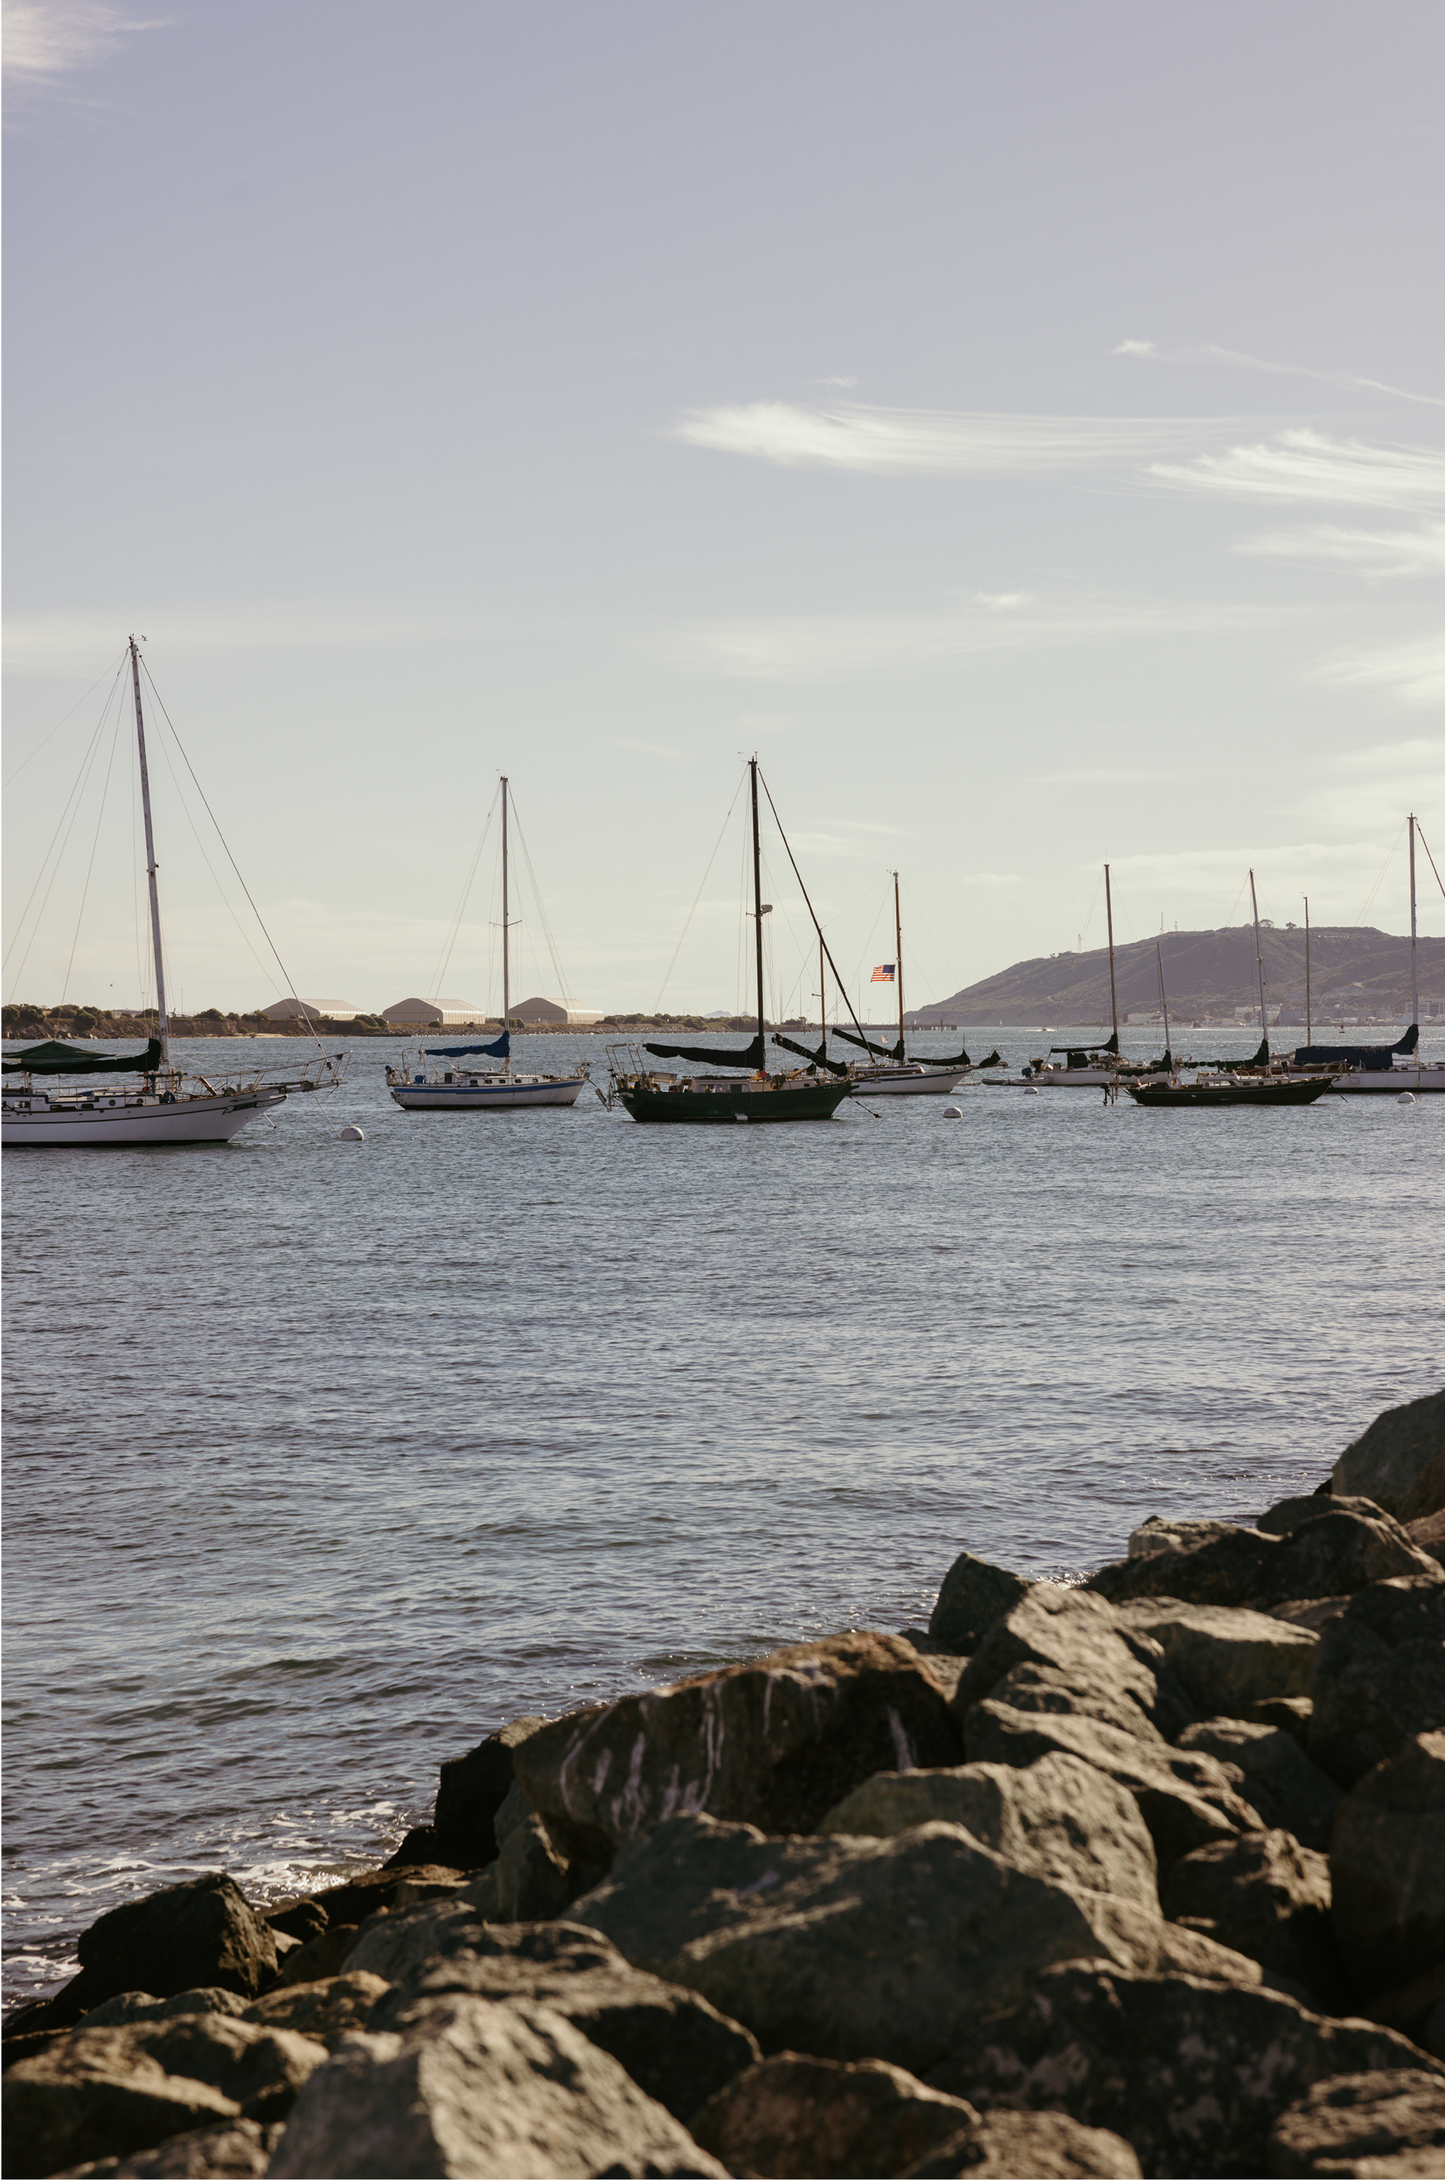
{"x":326,"y":1458}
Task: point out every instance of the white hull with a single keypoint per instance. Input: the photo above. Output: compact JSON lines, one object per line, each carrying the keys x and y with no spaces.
{"x":116,"y":1120}
{"x":1358,"y":1081}
{"x":504,"y":1093}
{"x":910,"y":1083}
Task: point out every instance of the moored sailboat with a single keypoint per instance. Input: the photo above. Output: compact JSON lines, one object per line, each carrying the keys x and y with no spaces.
{"x":895,"y":1076}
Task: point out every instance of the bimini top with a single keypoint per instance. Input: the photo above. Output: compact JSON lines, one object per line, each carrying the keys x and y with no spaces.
{"x":55,"y":1059}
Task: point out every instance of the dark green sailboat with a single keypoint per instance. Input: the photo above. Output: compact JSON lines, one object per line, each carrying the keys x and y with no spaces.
{"x":794,"y":1095}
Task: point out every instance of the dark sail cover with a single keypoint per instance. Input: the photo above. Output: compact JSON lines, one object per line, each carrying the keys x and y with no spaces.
{"x":1258,"y":1060}
{"x":995,"y":1060}
{"x":713,"y":1056}
{"x":500,"y":1049}
{"x":1360,"y":1056}
{"x":54,"y":1059}
{"x":884,"y":1053}
{"x":1076,"y":1057}
{"x":818,"y":1057}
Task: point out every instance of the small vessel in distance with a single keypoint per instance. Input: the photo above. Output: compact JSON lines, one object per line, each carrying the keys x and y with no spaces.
{"x":136,"y":1098}
{"x":895,"y":1076}
{"x":477,"y":1089}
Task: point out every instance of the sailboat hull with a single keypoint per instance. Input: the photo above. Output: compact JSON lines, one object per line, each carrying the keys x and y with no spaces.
{"x":763,"y":1102}
{"x":908,"y":1083}
{"x":1389,"y":1082}
{"x":474,"y":1098}
{"x":113,"y":1119}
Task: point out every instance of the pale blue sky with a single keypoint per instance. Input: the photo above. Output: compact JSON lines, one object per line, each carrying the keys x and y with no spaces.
{"x":1023,"y":424}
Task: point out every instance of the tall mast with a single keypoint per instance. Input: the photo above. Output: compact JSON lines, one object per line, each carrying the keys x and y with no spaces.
{"x":1163,"y":998}
{"x":1258,"y":962}
{"x":822,"y":1003}
{"x":1414,"y":979}
{"x":145,"y":798}
{"x":758,"y":913}
{"x":898,"y":952}
{"x":1113,"y":990}
{"x":1309,"y":1024}
{"x":506,"y":940}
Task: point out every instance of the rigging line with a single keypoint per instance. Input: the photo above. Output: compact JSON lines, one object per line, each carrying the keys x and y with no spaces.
{"x":1426,"y":847}
{"x":677,"y":950}
{"x":90,"y":867}
{"x":95,"y":685}
{"x":565,"y":992}
{"x":205,"y":859}
{"x":1364,"y":911}
{"x":454,"y":931}
{"x":1093,"y":905}
{"x":915,"y":911}
{"x":767,"y":791}
{"x":200,"y":791}
{"x":77,"y":789}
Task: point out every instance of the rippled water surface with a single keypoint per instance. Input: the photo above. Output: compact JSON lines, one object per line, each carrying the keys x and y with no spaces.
{"x":325,"y":1458}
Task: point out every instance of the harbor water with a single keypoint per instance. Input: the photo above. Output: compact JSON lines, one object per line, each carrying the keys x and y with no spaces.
{"x":326,"y":1458}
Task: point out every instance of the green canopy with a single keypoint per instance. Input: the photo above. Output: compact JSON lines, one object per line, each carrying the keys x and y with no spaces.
{"x":54,"y":1059}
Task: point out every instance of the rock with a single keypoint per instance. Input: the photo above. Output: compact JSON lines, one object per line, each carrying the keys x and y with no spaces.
{"x":1268,"y":1898}
{"x":1287,"y":1515}
{"x":1030,"y":1687}
{"x":1225,"y":1656}
{"x":1334,"y":1552}
{"x":1163,"y":1535}
{"x":1387,"y":2122}
{"x":850,"y":1948}
{"x":1285,"y":1787}
{"x":1379,"y":1676}
{"x":1399,"y":1459}
{"x":1185,"y":1797}
{"x":1387,"y":1863}
{"x":1311,"y":1614}
{"x":1077,"y":1636}
{"x":466,"y":2087}
{"x":1192,"y":2072}
{"x":145,"y":2008}
{"x":1059,"y":1818}
{"x":513,"y":1811}
{"x":1413,"y":2008}
{"x":534,"y":1879}
{"x":299,"y":1920}
{"x":774,"y":1743}
{"x":326,"y":2012}
{"x":469,"y":1793}
{"x":64,"y":2107}
{"x":319,"y":1958}
{"x":235,"y":2148}
{"x":1292,"y":1715}
{"x":398,"y":1944}
{"x":672,"y":2043}
{"x":201,"y":1933}
{"x":361,"y":1896}
{"x":1039,"y":2146}
{"x":973,"y":1597}
{"x":795,"y":2115}
{"x":1428,"y":1533}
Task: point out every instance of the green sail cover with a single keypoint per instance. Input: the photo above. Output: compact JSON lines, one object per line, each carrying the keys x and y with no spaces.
{"x":54,"y":1059}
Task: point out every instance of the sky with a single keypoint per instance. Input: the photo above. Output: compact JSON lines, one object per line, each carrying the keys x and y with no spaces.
{"x":1021,"y":425}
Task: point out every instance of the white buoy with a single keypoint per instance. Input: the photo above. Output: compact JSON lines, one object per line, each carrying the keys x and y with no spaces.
{"x":351,"y":1134}
{"x":953,"y":1113}
{"x":1406,"y":1098}
{"x":1032,"y":1091}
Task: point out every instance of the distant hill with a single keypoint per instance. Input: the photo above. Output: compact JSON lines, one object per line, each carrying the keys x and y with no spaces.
{"x":1353,"y":971}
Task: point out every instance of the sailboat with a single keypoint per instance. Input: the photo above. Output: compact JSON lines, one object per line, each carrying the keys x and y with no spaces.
{"x":898,"y":1077}
{"x":1086,"y":1065}
{"x":136,"y":1098}
{"x":475,"y":1088}
{"x":649,"y":1094}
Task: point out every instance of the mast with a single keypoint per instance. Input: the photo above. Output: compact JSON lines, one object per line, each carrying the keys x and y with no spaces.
{"x":822,"y":1003}
{"x":1113,"y":990}
{"x":758,"y":913}
{"x":506,"y":942}
{"x":1258,"y":964}
{"x":1163,"y":999}
{"x":1309,"y":1026}
{"x":1414,"y":979}
{"x":145,"y":798}
{"x":898,"y":953}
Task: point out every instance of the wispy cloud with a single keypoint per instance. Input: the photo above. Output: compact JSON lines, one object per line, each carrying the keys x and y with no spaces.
{"x":1211,"y":353}
{"x":1381,"y":553}
{"x":851,"y":436}
{"x":46,"y":40}
{"x":1413,"y":672}
{"x":1305,"y":465}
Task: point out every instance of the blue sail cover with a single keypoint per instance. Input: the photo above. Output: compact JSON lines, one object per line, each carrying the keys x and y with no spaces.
{"x":1360,"y":1056}
{"x":500,"y":1049}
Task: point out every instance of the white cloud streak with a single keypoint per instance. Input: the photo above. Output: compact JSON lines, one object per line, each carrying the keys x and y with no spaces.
{"x":1305,"y":465}
{"x":1210,"y":353}
{"x":1415,"y":673}
{"x":47,"y":39}
{"x":1378,"y":552}
{"x":937,"y":442}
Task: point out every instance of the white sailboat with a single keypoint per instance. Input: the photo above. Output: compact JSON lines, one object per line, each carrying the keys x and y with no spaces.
{"x":58,"y":1094}
{"x":899,"y":1077}
{"x":1371,"y":1070}
{"x":475,"y":1088}
{"x":1085,"y":1065}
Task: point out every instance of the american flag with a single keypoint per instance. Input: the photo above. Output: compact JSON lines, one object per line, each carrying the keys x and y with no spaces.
{"x":883,"y":975}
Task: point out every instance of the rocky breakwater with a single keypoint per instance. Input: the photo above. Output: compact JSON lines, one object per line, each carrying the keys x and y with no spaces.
{"x":1144,"y":1877}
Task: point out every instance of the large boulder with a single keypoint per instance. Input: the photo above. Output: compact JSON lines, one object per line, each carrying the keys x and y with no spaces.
{"x":672,"y":2043}
{"x":1399,"y":1460}
{"x":397,"y":1947}
{"x":1185,"y":1797}
{"x":1287,"y":1515}
{"x":1379,"y":1675}
{"x":974,"y":1595}
{"x":1192,"y":2072}
{"x":470,"y":1792}
{"x":232,"y":2149}
{"x":1227,"y":1657}
{"x":794,"y":2114}
{"x":463,"y":2086}
{"x":774,"y":1743}
{"x":1059,"y":1818}
{"x":1388,"y":2122}
{"x":1268,"y":1898}
{"x":1080,"y":1639}
{"x":1387,"y":1862}
{"x":1033,"y":1687}
{"x":851,"y":1948}
{"x":1285,"y":1787}
{"x":1032,"y":2148}
{"x":326,"y":2012}
{"x":1165,"y":1534}
{"x":1334,"y":1553}
{"x":202,"y":1932}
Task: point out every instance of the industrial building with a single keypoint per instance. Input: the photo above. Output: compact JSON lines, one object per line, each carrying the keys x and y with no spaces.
{"x":435,"y":1014}
{"x":538,"y":1010}
{"x":312,"y":1011}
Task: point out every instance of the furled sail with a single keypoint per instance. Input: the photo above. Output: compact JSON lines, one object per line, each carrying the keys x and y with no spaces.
{"x":500,"y":1049}
{"x":1360,"y":1056}
{"x":750,"y":1056}
{"x":818,"y":1056}
{"x":884,"y":1053}
{"x":55,"y":1059}
{"x":1258,"y":1060}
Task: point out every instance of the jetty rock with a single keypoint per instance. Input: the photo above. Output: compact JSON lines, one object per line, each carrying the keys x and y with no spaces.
{"x":1378,"y":1677}
{"x":1399,"y":1461}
